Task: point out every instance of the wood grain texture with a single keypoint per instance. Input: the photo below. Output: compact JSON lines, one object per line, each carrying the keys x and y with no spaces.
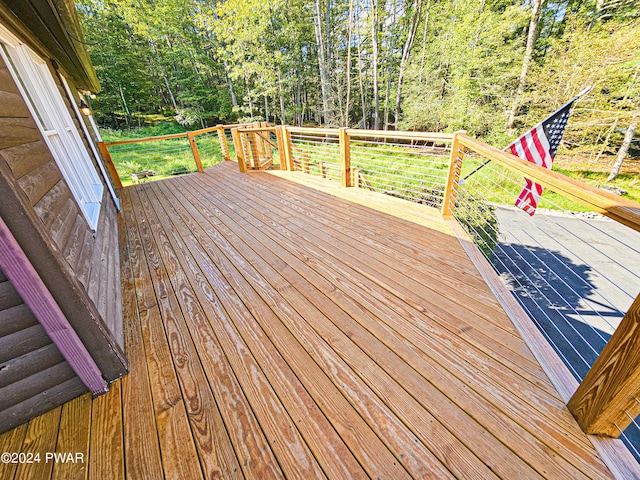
{"x":50,"y":206}
{"x":7,"y":83}
{"x":268,"y":241}
{"x":176,"y":444}
{"x":11,"y":442}
{"x":17,"y":131}
{"x":73,"y":437}
{"x":274,"y":316}
{"x":32,"y":385}
{"x":211,"y":440}
{"x":345,"y":158}
{"x":27,"y":365}
{"x":106,"y":450}
{"x":16,"y":318}
{"x":39,"y":181}
{"x":41,"y":437}
{"x":9,"y":298}
{"x":445,"y":358}
{"x":27,"y":157}
{"x":442,"y":353}
{"x":143,"y":459}
{"x":34,"y":406}
{"x":614,"y":453}
{"x":35,"y":293}
{"x":12,"y":105}
{"x":606,"y":400}
{"x":22,"y":342}
{"x":622,"y":210}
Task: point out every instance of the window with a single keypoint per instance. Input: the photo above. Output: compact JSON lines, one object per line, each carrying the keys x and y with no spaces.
{"x":54,"y":121}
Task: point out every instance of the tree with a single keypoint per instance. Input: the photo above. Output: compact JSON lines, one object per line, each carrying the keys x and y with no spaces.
{"x":624,"y":148}
{"x":532,"y":35}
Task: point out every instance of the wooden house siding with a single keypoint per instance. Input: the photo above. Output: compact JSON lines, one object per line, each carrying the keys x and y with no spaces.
{"x":91,"y":256}
{"x":34,"y":377}
{"x":79,"y":266}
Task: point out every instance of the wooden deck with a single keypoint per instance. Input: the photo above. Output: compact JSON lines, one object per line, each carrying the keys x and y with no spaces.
{"x":275,"y":330}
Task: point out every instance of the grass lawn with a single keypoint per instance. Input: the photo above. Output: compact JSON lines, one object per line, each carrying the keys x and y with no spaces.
{"x":165,"y":158}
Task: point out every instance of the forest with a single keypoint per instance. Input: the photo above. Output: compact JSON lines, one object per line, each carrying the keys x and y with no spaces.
{"x":491,"y":67}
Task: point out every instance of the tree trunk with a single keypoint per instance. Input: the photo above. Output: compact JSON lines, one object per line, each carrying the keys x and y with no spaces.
{"x":363,"y":101}
{"x":532,"y":36}
{"x":124,"y":105}
{"x":322,"y":62}
{"x":406,"y":51}
{"x":164,"y":75}
{"x":234,"y":100}
{"x":374,"y":61}
{"x":345,"y":118}
{"x":624,"y":148}
{"x":390,"y":67}
{"x":283,"y":111}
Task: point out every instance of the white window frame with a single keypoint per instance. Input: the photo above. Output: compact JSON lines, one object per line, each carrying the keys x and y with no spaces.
{"x":42,"y":96}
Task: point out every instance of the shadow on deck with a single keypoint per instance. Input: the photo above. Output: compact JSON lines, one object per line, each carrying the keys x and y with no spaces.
{"x":276,"y":330}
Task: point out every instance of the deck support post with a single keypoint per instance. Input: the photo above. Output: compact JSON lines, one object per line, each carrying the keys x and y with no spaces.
{"x":194,"y":149}
{"x":345,"y":157}
{"x":111,"y":167}
{"x":224,"y":147}
{"x":605,"y":402}
{"x":455,"y":167}
{"x":237,"y":145}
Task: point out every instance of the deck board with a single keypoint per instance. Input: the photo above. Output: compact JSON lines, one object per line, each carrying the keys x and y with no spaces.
{"x":279,"y":326}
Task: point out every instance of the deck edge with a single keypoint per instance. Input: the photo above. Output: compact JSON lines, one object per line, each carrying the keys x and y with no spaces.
{"x":613,"y":452}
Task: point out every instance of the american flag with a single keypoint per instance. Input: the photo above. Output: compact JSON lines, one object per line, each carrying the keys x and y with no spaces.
{"x":539,"y":145}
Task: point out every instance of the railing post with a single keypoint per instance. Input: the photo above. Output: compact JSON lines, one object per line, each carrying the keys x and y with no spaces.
{"x":345,"y":157}
{"x":606,"y":400}
{"x":455,"y":167}
{"x":111,"y":167}
{"x":286,"y":149}
{"x":237,"y":145}
{"x":194,"y":149}
{"x":222,"y":138}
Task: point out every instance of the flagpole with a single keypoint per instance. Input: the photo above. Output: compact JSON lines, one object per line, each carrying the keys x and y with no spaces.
{"x":574,"y":99}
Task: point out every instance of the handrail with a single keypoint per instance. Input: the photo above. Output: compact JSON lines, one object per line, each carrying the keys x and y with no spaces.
{"x":318,"y":131}
{"x":146,"y":139}
{"x":171,"y":135}
{"x":400,"y":135}
{"x":603,"y":400}
{"x":619,"y":209}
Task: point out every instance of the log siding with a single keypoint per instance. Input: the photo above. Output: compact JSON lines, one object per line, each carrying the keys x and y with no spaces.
{"x":82,"y":266}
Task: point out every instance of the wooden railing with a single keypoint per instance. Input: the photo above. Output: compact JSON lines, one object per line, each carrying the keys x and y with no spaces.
{"x":191,"y":138}
{"x":607,"y":400}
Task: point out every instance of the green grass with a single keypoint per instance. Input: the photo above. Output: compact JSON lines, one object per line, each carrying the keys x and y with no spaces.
{"x":166,"y":158}
{"x":629,"y":182}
